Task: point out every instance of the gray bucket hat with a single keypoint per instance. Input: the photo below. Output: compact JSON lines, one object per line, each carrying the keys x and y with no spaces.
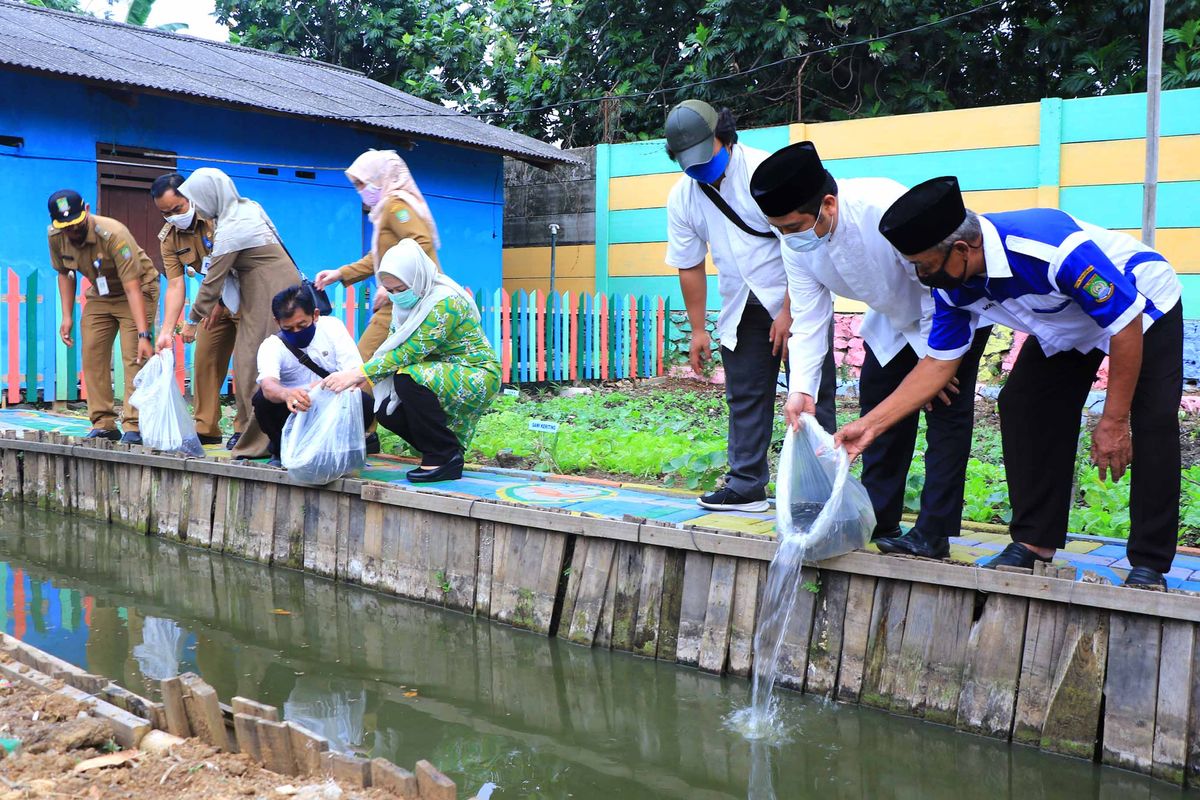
{"x":691,"y":128}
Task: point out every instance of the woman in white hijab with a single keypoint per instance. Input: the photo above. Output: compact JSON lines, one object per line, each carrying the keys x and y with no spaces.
{"x":436,"y":373}
{"x":249,"y":267}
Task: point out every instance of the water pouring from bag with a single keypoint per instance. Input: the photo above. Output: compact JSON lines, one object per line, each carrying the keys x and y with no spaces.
{"x":820,"y":512}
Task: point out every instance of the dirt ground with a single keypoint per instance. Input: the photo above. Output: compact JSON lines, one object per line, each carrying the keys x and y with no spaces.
{"x":56,"y":741}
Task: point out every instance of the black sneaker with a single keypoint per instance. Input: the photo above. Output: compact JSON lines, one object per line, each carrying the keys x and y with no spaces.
{"x":274,"y":462}
{"x":103,"y":433}
{"x":233,"y":440}
{"x":209,"y":439}
{"x":131,"y":437}
{"x":372,"y":443}
{"x":727,"y":499}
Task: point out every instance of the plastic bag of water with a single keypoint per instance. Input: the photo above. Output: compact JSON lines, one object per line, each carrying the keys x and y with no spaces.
{"x":817,"y":498}
{"x":326,"y":442}
{"x":163,"y":417}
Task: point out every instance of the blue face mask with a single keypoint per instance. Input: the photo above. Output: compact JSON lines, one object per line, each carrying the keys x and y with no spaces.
{"x":807,"y":241}
{"x":711,"y":171}
{"x":405,"y":299}
{"x":300,"y":339}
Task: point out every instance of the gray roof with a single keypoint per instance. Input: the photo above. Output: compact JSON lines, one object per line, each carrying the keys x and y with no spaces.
{"x":113,"y":53}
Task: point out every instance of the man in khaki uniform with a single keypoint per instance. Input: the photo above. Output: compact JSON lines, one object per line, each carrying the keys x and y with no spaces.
{"x":121,"y":299}
{"x":185,"y":243}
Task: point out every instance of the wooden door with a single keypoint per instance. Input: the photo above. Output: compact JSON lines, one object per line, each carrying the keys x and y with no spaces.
{"x":125,"y":174}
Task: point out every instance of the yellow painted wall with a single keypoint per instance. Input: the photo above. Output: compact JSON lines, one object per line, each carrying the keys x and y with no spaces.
{"x":631,"y":260}
{"x":1124,"y":161}
{"x":528,"y":268}
{"x":1181,"y":246}
{"x":936,"y":131}
{"x":640,"y":191}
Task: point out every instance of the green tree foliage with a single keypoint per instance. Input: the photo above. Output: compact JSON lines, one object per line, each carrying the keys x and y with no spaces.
{"x":57,"y":5}
{"x":547,"y":65}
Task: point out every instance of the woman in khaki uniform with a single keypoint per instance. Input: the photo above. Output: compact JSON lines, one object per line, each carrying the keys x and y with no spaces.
{"x":185,"y":243}
{"x":249,"y":267}
{"x":121,"y":301}
{"x":398,"y":211}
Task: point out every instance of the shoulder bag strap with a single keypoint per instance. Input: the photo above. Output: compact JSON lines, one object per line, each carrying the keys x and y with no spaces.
{"x":304,"y":359}
{"x":730,"y":214}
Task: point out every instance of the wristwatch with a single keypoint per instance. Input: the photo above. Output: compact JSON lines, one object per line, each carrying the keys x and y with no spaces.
{"x":146,"y":335}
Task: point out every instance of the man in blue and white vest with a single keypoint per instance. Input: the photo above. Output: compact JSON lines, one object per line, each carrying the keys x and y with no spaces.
{"x":1081,"y":292}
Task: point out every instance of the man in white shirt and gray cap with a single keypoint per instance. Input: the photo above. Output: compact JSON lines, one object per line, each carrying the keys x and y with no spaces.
{"x":832,"y":245}
{"x":710,"y":210}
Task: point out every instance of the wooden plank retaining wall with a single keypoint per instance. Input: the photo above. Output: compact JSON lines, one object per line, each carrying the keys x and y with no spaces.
{"x":1083,"y":669}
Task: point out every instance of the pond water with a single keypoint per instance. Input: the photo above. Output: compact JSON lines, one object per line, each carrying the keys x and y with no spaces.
{"x":539,"y":718}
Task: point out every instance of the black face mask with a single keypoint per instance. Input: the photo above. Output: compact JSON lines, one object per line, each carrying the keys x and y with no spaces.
{"x":942,"y":279}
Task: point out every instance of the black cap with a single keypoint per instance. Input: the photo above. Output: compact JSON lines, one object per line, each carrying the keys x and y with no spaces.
{"x":924,"y":215}
{"x":788,"y":179}
{"x":66,"y":208}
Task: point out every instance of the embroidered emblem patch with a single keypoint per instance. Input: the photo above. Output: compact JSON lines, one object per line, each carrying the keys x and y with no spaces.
{"x":126,"y":252}
{"x":1100,"y":289}
{"x":402,"y":215}
{"x":63,"y":205}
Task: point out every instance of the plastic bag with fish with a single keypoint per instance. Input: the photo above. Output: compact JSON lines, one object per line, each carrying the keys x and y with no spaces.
{"x":817,"y":498}
{"x":326,"y":442}
{"x":163,"y":417}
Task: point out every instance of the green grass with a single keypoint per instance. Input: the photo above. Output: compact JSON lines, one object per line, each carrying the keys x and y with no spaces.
{"x":677,"y":438}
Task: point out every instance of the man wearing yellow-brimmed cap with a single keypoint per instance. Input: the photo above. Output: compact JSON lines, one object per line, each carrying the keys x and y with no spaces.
{"x":121,"y":299}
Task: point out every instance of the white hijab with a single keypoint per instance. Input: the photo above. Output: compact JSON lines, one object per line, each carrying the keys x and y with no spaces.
{"x":408,"y":262}
{"x":241,"y":223}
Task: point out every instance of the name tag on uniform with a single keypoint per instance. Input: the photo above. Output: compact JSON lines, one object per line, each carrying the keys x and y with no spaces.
{"x":102,"y":285}
{"x":204,"y":264}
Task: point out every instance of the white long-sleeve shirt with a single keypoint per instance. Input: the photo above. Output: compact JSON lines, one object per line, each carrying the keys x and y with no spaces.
{"x":744,"y":263}
{"x":857,"y":263}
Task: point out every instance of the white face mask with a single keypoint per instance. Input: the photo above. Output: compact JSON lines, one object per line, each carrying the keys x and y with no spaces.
{"x":183,"y":221}
{"x":807,"y":241}
{"x":370,"y":195}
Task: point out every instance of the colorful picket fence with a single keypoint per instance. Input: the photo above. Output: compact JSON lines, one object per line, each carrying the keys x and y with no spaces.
{"x":565,"y":337}
{"x":35,"y":364}
{"x":560,"y":337}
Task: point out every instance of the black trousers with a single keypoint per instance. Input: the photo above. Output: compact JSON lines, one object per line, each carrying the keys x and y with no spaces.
{"x":420,"y":420}
{"x":1040,"y":408}
{"x":273,"y":416}
{"x":751,"y":392}
{"x":947,"y":438}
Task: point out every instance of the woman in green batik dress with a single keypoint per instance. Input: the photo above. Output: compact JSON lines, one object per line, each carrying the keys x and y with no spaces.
{"x":436,"y":373}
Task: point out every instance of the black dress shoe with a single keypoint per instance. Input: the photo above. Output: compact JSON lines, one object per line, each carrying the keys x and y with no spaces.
{"x":103,"y":433}
{"x":233,"y":440}
{"x":916,"y":543}
{"x":452,"y":470}
{"x":894,"y":533}
{"x":1016,"y":555}
{"x":372,"y":443}
{"x":1145,"y":577}
{"x":209,"y":439}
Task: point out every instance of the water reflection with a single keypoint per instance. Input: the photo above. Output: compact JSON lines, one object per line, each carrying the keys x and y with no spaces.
{"x":486,"y":703}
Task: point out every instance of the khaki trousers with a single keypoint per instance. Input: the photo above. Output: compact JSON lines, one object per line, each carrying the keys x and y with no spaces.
{"x":214,"y":349}
{"x":102,"y":320}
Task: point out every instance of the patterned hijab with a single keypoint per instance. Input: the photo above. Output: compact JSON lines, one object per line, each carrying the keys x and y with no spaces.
{"x":385,"y":169}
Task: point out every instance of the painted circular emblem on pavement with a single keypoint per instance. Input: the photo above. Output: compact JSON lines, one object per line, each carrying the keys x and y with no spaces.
{"x":552,"y":494}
